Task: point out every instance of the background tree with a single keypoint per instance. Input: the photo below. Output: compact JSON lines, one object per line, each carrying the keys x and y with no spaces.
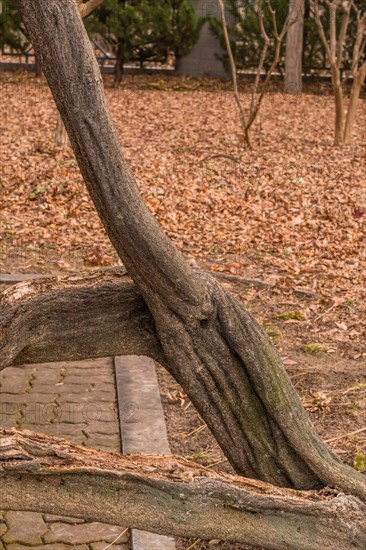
{"x":334,"y":31}
{"x":185,"y":320}
{"x":294,"y":49}
{"x":246,"y":37}
{"x":259,"y":90}
{"x":186,"y":26}
{"x":10,"y":27}
{"x":147,"y":31}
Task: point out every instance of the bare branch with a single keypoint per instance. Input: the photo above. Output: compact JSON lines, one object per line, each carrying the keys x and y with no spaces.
{"x":346,"y":7}
{"x":315,"y":7}
{"x":360,"y":41}
{"x":255,"y":105}
{"x":233,"y":72}
{"x":262,"y":56}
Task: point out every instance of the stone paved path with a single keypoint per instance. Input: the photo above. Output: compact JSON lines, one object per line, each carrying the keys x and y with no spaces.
{"x":72,"y":400}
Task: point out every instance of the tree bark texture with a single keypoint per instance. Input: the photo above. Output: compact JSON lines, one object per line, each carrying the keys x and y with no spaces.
{"x":294,"y":47}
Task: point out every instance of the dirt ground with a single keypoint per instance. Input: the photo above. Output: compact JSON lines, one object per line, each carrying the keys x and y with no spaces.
{"x":290,"y":214}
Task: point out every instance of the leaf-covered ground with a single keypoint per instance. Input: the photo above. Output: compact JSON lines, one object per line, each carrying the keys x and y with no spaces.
{"x":293,"y":209}
{"x":290,"y":212}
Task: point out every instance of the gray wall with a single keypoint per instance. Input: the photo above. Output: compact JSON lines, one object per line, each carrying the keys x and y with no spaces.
{"x":202,"y":60}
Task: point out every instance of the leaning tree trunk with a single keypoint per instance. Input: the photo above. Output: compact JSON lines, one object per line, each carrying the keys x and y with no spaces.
{"x":200,"y":333}
{"x":294,"y":47}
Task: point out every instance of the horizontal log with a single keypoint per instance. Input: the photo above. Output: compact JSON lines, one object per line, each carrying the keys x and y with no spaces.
{"x":72,"y":318}
{"x":171,"y":496}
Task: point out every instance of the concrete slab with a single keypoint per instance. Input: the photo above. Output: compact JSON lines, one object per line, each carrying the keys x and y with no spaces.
{"x":142,"y":425}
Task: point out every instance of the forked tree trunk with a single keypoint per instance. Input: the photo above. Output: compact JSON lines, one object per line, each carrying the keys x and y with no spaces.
{"x":200,"y":333}
{"x":294,"y":47}
{"x":334,"y":42}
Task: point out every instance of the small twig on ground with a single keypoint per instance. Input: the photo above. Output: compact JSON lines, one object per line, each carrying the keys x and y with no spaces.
{"x":194,"y":544}
{"x":345,"y":435}
{"x":217,"y":463}
{"x":302,"y":373}
{"x":325,"y":312}
{"x":220,"y":155}
{"x":197,"y":430}
{"x":116,"y":539}
{"x":238,"y":279}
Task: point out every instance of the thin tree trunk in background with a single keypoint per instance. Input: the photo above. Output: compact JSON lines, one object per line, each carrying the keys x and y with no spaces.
{"x":60,"y":133}
{"x":339,"y":106}
{"x":38,"y":68}
{"x":294,"y":47}
{"x":119,"y":66}
{"x":358,"y":82}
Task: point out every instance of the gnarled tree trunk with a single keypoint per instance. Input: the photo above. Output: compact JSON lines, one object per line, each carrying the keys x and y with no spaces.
{"x":172,"y":496}
{"x":200,"y":333}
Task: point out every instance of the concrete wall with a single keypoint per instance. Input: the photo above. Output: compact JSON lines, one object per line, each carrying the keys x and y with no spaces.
{"x":202,"y":59}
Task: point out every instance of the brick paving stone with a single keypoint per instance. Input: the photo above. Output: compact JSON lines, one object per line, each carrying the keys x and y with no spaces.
{"x":104,"y":387}
{"x":59,"y":546}
{"x":48,"y":377}
{"x":78,"y":380}
{"x":50,"y":518}
{"x":81,"y":534}
{"x":57,"y":429}
{"x":86,"y":412}
{"x":101,"y":441}
{"x":26,"y":398}
{"x":15,"y":380}
{"x":123,"y":544}
{"x":76,"y":397}
{"x":105,"y":428}
{"x":71,"y":432}
{"x":24,"y":528}
{"x":9,"y":421}
{"x":62,"y":391}
{"x":39,"y":413}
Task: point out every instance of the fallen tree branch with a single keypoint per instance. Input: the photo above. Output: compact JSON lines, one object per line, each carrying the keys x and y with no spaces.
{"x":75,"y":317}
{"x":172,"y":496}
